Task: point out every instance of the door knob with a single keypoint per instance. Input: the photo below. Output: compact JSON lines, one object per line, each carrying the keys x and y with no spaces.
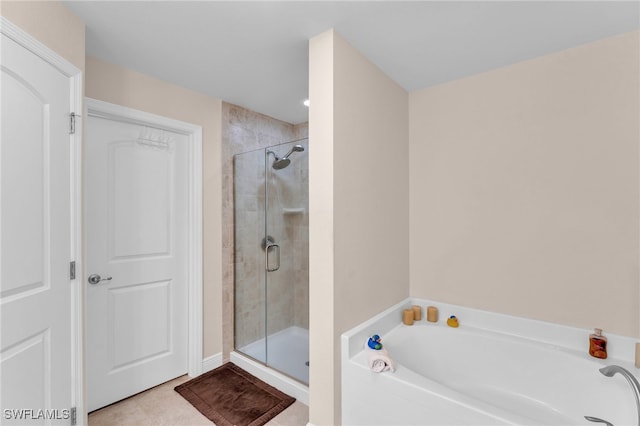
{"x":95,"y":279}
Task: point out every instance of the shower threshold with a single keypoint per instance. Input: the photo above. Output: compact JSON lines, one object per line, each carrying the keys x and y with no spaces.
{"x":289,"y":347}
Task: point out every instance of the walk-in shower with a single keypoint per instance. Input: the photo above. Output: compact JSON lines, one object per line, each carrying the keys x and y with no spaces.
{"x":272,"y":257}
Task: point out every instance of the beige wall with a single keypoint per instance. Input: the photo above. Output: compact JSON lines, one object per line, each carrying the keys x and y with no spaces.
{"x":359,"y":200}
{"x":52,"y":24}
{"x":524,"y":188}
{"x":111,"y":83}
{"x":322,"y":342}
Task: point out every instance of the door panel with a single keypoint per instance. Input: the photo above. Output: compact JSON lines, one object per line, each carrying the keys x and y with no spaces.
{"x":35,"y":229}
{"x":140,"y":226}
{"x":139,"y":338}
{"x":136,"y":191}
{"x":24,"y":152}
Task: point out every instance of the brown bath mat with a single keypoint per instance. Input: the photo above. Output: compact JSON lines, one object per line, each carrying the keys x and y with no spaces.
{"x":230,"y":396}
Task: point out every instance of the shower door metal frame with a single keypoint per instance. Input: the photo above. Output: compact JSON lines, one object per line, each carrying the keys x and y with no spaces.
{"x":269,"y":241}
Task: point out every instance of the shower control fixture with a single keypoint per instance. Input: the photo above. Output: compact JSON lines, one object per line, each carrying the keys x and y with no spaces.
{"x":282,"y":162}
{"x":267,"y":241}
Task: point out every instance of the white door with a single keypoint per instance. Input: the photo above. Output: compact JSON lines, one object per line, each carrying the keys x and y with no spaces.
{"x":35,"y":210}
{"x":136,"y":205}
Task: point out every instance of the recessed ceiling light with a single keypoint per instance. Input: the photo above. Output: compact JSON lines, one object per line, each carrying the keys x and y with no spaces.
{"x":306,"y":102}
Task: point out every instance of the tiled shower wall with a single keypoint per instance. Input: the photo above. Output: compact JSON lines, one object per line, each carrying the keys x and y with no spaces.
{"x":243,"y":131}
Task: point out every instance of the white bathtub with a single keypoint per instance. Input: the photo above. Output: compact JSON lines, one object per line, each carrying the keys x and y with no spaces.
{"x":493,"y":369}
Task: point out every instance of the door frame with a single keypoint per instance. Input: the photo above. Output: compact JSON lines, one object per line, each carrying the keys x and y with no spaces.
{"x":75,"y":76}
{"x":101,"y":109}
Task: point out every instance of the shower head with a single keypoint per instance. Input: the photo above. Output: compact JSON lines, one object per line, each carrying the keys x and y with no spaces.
{"x":281,"y":163}
{"x":296,"y":148}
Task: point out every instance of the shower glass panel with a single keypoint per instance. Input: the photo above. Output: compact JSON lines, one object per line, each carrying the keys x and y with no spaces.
{"x":272,"y":257}
{"x":249,"y":228}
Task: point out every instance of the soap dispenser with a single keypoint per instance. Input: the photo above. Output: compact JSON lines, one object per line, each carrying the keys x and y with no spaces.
{"x":598,"y":344}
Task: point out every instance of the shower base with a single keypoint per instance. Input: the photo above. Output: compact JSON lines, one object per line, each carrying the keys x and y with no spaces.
{"x":288,"y":352}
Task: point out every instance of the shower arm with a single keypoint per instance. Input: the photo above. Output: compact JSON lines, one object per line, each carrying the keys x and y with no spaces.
{"x":295,"y":148}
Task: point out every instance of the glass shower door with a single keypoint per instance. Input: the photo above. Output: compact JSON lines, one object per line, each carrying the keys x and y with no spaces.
{"x":271,"y":257}
{"x":287,"y":277}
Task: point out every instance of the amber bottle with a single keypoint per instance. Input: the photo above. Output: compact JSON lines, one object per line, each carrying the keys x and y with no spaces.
{"x":598,"y":344}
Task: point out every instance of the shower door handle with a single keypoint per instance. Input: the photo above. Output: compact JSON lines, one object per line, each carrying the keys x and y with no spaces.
{"x":266,"y":257}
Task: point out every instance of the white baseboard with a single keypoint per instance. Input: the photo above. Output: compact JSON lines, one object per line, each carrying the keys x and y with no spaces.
{"x":214,"y":361}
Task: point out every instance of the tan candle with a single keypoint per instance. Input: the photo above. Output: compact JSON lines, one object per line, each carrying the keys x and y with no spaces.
{"x":417,"y":312}
{"x":637,"y":355}
{"x":432,"y":314}
{"x":407,"y":316}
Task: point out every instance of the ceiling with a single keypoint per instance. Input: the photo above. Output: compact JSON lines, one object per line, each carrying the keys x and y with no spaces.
{"x":255,"y":54}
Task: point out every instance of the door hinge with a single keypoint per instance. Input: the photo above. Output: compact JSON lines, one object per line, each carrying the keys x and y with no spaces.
{"x":72,"y":270}
{"x":74,"y":418}
{"x":72,"y":123}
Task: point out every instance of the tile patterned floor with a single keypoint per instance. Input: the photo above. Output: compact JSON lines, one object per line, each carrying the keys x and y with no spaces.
{"x":162,"y":406}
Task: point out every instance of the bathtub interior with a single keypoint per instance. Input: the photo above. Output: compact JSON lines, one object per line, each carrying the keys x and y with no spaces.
{"x":550,"y":384}
{"x":494,"y":368}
